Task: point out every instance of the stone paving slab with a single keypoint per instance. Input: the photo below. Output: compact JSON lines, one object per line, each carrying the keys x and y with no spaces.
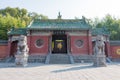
{"x":59,"y":72}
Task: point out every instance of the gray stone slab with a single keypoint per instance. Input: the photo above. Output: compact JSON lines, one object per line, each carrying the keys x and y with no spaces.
{"x":37,"y":71}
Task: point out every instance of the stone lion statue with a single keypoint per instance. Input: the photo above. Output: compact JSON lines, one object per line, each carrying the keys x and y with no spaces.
{"x":99,"y":52}
{"x":22,"y":47}
{"x":99,"y":45}
{"x":22,"y":51}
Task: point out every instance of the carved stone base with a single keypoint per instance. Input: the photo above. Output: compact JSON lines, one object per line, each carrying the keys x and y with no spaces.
{"x":100,"y":60}
{"x":21,"y":60}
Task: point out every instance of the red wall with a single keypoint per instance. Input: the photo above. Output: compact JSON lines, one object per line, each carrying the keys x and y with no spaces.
{"x":3,"y":51}
{"x":76,"y":50}
{"x":113,"y":50}
{"x":38,"y":50}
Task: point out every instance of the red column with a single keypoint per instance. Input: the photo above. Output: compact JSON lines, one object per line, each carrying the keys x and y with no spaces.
{"x":89,"y":43}
{"x":108,"y":49}
{"x":9,"y":48}
{"x":28,"y":42}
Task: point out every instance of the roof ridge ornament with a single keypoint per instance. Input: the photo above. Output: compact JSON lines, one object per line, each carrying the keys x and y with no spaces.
{"x":59,"y":15}
{"x":84,"y":19}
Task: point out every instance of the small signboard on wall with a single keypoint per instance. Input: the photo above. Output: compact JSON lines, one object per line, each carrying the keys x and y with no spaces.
{"x":14,"y":38}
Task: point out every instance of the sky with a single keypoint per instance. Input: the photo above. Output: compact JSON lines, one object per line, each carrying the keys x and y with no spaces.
{"x":69,"y":9}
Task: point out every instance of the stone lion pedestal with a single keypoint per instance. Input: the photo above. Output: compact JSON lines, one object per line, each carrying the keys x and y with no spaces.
{"x":21,"y":56}
{"x":21,"y":60}
{"x":99,"y":52}
{"x":100,"y":60}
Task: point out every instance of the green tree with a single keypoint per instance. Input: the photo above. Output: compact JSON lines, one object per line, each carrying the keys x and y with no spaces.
{"x":112,"y":24}
{"x":15,"y":17}
{"x":34,"y":15}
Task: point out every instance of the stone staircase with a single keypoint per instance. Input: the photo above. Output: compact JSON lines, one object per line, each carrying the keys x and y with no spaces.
{"x":59,"y":59}
{"x":10,"y":60}
{"x":7,"y":60}
{"x":108,"y":60}
{"x":31,"y":59}
{"x":54,"y":59}
{"x":2,"y":60}
{"x":115,"y":59}
{"x":36,"y":58}
{"x":83,"y":58}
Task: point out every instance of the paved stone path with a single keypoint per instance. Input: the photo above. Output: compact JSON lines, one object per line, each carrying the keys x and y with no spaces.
{"x":59,"y":72}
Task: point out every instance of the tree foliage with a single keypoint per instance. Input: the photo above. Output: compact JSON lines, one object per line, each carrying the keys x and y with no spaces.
{"x":15,"y":17}
{"x":111,"y":23}
{"x":34,"y":15}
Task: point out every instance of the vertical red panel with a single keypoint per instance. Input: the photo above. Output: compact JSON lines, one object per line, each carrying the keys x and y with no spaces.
{"x":3,"y":51}
{"x":107,"y":49}
{"x":13,"y":49}
{"x":76,"y":50}
{"x":114,"y":53}
{"x":28,"y":43}
{"x":8,"y":47}
{"x":90,"y":49}
{"x":39,"y":50}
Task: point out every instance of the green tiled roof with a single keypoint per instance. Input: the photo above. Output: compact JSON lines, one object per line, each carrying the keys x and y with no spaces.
{"x":116,"y":43}
{"x":100,"y":31}
{"x":59,"y":24}
{"x":3,"y":42}
{"x":17,"y":31}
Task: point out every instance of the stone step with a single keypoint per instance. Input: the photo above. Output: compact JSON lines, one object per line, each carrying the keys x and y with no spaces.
{"x":36,"y":58}
{"x":31,"y":59}
{"x":83,"y":58}
{"x":59,"y":59}
{"x":10,"y":60}
{"x":7,"y":60}
{"x":115,"y":59}
{"x":2,"y":60}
